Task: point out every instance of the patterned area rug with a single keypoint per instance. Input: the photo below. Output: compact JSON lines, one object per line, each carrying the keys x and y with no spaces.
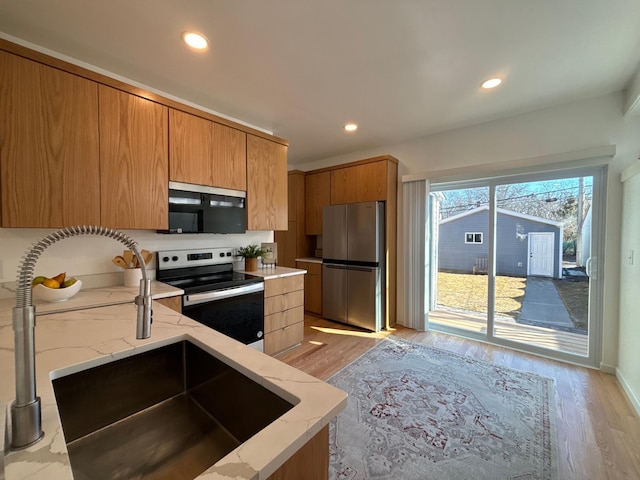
{"x":417,"y":412}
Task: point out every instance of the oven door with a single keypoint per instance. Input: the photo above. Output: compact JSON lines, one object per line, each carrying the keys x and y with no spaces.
{"x":238,"y":312}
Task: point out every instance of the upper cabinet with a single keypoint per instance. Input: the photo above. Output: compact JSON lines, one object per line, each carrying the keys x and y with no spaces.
{"x":134,"y":163}
{"x":359,"y":183}
{"x":79,"y":147}
{"x":206,"y":153}
{"x":266,"y":184}
{"x":317,"y":196}
{"x":190,"y":148}
{"x":293,"y":243}
{"x":49,"y":156}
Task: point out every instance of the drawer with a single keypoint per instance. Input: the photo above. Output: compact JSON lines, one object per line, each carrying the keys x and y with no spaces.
{"x":312,"y":268}
{"x":287,"y":337}
{"x":280,"y":320}
{"x":284,"y":302}
{"x":278,"y":286}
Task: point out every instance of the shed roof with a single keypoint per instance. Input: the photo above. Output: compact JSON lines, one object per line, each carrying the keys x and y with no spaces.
{"x":503,"y":211}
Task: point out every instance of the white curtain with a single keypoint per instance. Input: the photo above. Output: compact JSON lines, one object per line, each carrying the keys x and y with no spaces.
{"x":416,"y":254}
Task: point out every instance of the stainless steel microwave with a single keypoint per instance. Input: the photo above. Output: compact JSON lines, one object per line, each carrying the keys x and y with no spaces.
{"x":204,"y":209}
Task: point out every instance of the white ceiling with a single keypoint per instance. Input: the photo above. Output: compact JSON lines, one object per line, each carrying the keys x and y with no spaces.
{"x":402,"y":69}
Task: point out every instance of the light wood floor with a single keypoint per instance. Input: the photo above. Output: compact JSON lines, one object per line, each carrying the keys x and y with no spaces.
{"x":598,"y":430}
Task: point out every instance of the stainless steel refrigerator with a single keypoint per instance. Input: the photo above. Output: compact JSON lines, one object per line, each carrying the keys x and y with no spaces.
{"x":353,"y":267}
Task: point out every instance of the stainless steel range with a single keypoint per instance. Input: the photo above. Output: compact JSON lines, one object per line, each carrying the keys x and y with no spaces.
{"x":216,"y":296}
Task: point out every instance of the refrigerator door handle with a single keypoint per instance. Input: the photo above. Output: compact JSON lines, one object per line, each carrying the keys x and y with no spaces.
{"x":362,"y":269}
{"x":337,"y":267}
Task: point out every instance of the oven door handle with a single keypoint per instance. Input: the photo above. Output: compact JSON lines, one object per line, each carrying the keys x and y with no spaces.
{"x":197,"y":298}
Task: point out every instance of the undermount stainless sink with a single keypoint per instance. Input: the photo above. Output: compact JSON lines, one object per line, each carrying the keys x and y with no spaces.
{"x":170,"y":412}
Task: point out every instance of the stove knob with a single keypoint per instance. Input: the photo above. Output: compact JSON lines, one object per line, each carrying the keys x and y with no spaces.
{"x":222,"y":255}
{"x":165,"y":259}
{"x":228,"y":254}
{"x":174,"y":258}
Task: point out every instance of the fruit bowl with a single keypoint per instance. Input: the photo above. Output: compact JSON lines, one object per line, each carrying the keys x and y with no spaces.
{"x":56,"y":294}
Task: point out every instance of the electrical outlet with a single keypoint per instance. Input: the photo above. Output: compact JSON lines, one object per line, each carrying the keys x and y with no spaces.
{"x":519,"y":264}
{"x":630,"y":258}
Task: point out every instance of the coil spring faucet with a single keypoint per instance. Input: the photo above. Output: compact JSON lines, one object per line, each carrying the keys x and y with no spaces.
{"x":26,"y":414}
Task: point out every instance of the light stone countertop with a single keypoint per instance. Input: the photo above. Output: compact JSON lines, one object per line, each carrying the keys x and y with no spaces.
{"x":86,"y":337}
{"x":269,"y":273}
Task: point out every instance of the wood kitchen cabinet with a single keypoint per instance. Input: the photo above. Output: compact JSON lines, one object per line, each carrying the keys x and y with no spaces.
{"x":134,"y":164}
{"x":206,"y":153}
{"x":79,"y":147}
{"x":312,"y":286}
{"x":174,"y":303}
{"x":49,"y":152}
{"x":359,"y":183}
{"x":317,"y":196}
{"x":311,"y":462}
{"x":293,"y":243}
{"x":283,"y":313}
{"x":267,"y":201}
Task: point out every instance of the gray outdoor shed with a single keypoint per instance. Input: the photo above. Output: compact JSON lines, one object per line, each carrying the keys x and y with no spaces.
{"x":525,"y":244}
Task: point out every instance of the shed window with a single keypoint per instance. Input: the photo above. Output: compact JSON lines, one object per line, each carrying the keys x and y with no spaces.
{"x":473,"y":237}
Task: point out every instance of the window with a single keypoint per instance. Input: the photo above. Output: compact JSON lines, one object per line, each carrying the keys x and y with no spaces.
{"x":473,"y":237}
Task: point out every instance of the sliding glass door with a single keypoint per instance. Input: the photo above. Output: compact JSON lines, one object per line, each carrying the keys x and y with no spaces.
{"x":516,"y":260}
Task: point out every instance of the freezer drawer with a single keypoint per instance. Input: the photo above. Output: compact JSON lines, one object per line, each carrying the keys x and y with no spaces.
{"x":334,"y":292}
{"x":365,"y":300}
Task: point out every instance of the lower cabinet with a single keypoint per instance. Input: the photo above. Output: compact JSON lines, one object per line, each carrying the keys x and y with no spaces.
{"x":312,"y":286}
{"x":283,"y":313}
{"x":174,"y":303}
{"x":311,"y":462}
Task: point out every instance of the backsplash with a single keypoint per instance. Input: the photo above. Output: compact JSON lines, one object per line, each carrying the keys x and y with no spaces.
{"x":89,"y":257}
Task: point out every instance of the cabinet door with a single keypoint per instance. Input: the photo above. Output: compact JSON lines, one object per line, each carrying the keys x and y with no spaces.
{"x":312,"y":286}
{"x":229,"y":168}
{"x":317,"y":196}
{"x":49,"y":164}
{"x":190,"y":148}
{"x":313,"y":293}
{"x":287,"y":248}
{"x":134,"y":164}
{"x":266,"y":184}
{"x":360,"y":183}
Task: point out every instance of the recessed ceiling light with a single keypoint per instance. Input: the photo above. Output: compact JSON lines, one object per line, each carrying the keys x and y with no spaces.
{"x":351,"y":127}
{"x":491,"y":83}
{"x":195,"y":40}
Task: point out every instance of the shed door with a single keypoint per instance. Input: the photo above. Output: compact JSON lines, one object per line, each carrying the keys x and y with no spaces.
{"x":541,"y":253}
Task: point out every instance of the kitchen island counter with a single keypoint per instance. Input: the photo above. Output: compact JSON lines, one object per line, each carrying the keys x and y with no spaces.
{"x":86,"y":336}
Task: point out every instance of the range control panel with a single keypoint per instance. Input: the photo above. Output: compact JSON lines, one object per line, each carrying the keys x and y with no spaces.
{"x":170,"y":259}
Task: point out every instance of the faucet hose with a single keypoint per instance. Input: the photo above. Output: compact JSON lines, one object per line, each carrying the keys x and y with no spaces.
{"x":27,"y":266}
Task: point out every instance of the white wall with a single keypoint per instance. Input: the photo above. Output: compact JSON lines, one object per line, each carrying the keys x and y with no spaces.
{"x":538,"y":137}
{"x":629,"y":354}
{"x":91,"y":255}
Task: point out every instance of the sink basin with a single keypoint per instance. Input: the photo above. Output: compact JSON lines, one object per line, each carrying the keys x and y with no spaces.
{"x":170,"y":412}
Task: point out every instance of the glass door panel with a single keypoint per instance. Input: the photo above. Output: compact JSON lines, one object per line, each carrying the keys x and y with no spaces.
{"x":543,"y":243}
{"x":460,"y":239}
{"x":515,"y":261}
